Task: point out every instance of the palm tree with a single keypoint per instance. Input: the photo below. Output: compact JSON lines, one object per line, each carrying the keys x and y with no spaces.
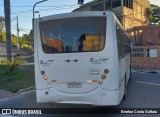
{"x":8,"y":28}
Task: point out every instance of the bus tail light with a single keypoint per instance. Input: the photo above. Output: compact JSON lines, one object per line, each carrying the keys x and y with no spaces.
{"x":93,"y":81}
{"x":100,"y":82}
{"x":106,"y":71}
{"x":45,"y":77}
{"x":103,"y":76}
{"x":43,"y":72}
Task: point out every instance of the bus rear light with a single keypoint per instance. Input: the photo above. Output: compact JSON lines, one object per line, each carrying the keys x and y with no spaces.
{"x":103,"y":76}
{"x":100,"y":82}
{"x":106,"y":71}
{"x":42,"y":72}
{"x":45,"y":77}
{"x":92,"y":81}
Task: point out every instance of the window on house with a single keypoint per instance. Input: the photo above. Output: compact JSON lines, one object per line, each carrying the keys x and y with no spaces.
{"x":115,"y":3}
{"x":152,"y":52}
{"x":128,"y":3}
{"x":138,"y":52}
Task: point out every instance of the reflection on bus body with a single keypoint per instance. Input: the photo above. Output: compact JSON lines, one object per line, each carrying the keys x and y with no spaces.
{"x":54,"y":45}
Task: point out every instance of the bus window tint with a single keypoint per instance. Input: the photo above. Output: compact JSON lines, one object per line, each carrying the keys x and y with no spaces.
{"x":122,"y":42}
{"x":73,"y":35}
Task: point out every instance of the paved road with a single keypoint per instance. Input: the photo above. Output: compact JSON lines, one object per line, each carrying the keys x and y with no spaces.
{"x":143,"y":92}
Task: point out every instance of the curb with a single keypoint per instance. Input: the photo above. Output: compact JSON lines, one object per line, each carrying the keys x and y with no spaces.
{"x":27,"y":89}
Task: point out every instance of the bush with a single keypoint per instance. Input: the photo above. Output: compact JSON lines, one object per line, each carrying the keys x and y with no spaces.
{"x":12,"y":65}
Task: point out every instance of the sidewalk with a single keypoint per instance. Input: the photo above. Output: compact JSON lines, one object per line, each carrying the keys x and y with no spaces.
{"x":146,"y":70}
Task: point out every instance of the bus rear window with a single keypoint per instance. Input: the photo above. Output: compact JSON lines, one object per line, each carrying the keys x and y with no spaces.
{"x":69,"y":35}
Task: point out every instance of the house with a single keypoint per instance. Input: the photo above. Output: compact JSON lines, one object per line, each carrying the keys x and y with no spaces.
{"x":146,"y":46}
{"x":130,"y":13}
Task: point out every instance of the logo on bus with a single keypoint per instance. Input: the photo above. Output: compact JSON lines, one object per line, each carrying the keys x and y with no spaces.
{"x":46,"y":62}
{"x":98,"y":61}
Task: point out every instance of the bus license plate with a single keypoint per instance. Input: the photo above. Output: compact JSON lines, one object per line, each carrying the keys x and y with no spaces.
{"x":74,"y":85}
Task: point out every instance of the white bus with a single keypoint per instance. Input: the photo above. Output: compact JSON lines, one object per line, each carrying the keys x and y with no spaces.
{"x":81,"y":58}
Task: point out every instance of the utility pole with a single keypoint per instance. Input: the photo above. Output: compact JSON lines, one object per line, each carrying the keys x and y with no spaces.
{"x":18,"y":45}
{"x":8,"y":28}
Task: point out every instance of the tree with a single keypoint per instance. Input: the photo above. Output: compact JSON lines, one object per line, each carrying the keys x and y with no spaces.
{"x":31,"y":39}
{"x":3,"y":36}
{"x":150,"y":16}
{"x":12,"y":65}
{"x":2,"y":23}
{"x":155,"y":14}
{"x":8,"y":28}
{"x":22,"y":40}
{"x":13,"y":35}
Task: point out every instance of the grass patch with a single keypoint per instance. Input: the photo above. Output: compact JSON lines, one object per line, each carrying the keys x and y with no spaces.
{"x":20,"y":79}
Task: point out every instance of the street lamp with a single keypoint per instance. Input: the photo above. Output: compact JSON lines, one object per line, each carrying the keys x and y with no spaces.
{"x":33,"y":14}
{"x":34,"y":11}
{"x":37,"y":12}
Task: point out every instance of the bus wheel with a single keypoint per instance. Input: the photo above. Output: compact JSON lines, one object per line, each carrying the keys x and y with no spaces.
{"x":125,"y":90}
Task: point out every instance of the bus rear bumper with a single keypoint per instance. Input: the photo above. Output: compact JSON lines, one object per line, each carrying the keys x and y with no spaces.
{"x":99,"y":97}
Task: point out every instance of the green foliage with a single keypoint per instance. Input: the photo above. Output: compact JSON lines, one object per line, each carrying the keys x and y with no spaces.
{"x":150,"y":17}
{"x":22,"y":41}
{"x":155,"y":14}
{"x":25,"y":40}
{"x":20,"y":79}
{"x":3,"y":36}
{"x":2,"y":23}
{"x":12,"y":65}
{"x":14,"y":40}
{"x":31,"y":39}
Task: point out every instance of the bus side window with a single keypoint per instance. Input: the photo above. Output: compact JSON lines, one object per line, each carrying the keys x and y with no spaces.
{"x":119,"y":41}
{"x":122,"y":42}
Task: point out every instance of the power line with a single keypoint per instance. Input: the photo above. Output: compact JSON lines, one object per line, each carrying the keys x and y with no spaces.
{"x":55,"y":8}
{"x":22,"y":28}
{"x":23,"y":16}
{"x":43,"y":6}
{"x":49,"y":9}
